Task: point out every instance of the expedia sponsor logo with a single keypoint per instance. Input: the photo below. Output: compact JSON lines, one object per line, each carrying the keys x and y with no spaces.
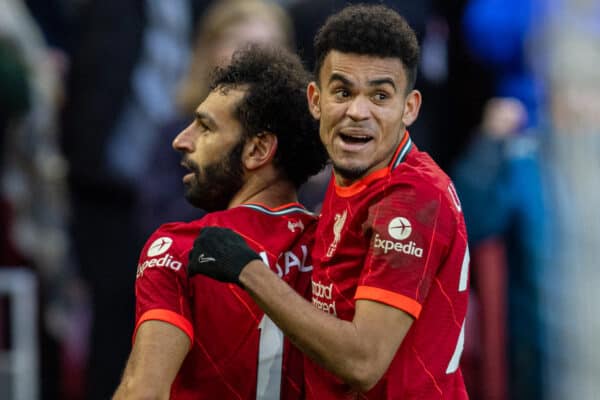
{"x":159,"y":246}
{"x":409,"y":248}
{"x":164,"y":262}
{"x":399,"y":228}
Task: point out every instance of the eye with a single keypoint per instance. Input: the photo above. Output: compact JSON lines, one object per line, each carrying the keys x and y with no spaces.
{"x":341,"y":93}
{"x":380,"y":96}
{"x":202,"y":126}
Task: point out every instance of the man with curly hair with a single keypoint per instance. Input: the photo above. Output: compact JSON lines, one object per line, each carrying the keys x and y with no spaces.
{"x":251,"y":144}
{"x":390,"y":277}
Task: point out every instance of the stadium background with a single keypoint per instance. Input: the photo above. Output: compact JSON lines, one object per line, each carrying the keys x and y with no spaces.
{"x":91,"y":95}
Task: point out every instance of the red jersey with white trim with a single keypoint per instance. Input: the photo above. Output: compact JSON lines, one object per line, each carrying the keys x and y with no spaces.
{"x":236,"y":351}
{"x":397,"y":237}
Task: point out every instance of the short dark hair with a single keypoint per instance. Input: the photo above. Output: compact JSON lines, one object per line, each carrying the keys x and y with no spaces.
{"x":373,"y":30}
{"x":275,"y":102}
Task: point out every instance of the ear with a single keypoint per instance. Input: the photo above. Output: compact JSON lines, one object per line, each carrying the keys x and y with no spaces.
{"x":313,"y":95}
{"x":259,"y":150}
{"x":412,"y":105}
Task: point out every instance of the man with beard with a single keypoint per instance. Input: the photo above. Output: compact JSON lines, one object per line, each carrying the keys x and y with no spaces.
{"x":390,"y":277}
{"x":251,"y":144}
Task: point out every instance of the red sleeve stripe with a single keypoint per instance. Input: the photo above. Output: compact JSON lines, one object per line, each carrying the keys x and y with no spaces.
{"x":166,"y":316}
{"x":393,"y":299}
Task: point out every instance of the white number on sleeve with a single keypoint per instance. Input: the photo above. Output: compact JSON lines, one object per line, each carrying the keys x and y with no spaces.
{"x":270,"y":359}
{"x":460,"y":343}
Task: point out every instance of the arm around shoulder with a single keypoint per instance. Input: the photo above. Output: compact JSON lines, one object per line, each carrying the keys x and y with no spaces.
{"x":358,"y":351}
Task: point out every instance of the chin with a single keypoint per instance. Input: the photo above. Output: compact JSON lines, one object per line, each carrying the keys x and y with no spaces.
{"x":209,"y":198}
{"x":206,"y":205}
{"x":350,"y":172}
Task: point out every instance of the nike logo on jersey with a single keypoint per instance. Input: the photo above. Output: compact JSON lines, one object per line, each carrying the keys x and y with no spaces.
{"x":203,"y":259}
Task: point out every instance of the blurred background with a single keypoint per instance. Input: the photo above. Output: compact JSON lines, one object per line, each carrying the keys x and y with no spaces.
{"x":93,"y":91}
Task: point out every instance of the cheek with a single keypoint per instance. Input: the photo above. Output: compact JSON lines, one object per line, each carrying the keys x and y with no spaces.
{"x":391,"y":124}
{"x":323,"y":135}
{"x":334,"y":110}
{"x":330,"y":115}
{"x":198,"y":159}
{"x":205,"y":154}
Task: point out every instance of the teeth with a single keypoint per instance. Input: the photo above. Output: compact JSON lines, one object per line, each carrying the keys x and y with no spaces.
{"x":355,"y":138}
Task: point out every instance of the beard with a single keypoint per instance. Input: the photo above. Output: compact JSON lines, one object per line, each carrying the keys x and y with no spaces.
{"x":350,"y":174}
{"x":214,"y":185}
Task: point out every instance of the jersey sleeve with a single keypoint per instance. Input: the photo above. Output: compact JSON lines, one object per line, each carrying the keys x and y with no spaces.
{"x":407,"y":244}
{"x":161,"y":286}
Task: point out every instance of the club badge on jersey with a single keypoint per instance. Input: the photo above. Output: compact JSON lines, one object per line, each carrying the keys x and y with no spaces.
{"x":338,"y":225}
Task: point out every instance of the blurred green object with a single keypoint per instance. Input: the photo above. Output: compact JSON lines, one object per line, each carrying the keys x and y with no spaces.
{"x":14,"y":88}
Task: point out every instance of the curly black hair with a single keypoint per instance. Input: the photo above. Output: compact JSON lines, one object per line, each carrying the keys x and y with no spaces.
{"x":275,"y":82}
{"x":373,"y":30}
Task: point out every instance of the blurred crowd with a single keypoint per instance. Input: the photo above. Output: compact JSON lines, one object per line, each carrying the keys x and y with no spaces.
{"x":92,"y":92}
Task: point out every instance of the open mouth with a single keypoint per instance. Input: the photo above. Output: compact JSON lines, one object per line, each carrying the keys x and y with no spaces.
{"x":189,"y":170}
{"x":355,"y":139}
{"x":188,"y":165}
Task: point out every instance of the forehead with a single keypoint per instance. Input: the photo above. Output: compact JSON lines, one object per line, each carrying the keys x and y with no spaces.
{"x":362,"y":68}
{"x":221,"y":104}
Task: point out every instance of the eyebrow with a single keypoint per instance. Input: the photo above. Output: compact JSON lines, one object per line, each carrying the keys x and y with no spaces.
{"x":383,"y":81}
{"x":338,"y":77}
{"x":375,"y":82}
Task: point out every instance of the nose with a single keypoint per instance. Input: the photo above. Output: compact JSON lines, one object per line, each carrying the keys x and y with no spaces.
{"x":359,"y":108}
{"x":184,"y":141}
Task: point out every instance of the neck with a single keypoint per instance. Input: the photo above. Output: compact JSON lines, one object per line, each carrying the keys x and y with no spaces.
{"x":272,"y":191}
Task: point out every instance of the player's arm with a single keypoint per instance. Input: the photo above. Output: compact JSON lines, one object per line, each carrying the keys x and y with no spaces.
{"x":358,"y":351}
{"x":157,"y":354}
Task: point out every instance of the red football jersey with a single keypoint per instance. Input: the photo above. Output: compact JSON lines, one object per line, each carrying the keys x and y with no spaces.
{"x":397,"y":237}
{"x":237,"y":351}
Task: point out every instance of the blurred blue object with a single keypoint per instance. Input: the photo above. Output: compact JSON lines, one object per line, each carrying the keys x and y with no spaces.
{"x":496,"y":32}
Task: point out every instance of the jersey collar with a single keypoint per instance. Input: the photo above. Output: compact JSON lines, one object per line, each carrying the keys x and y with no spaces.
{"x":280,"y":210}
